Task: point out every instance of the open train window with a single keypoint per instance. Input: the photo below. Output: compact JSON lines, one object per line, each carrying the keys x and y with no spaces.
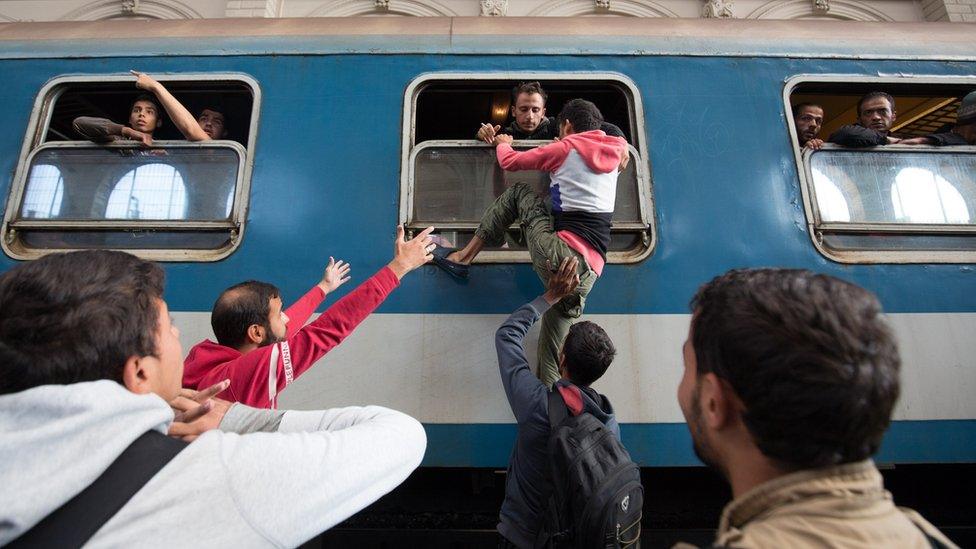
{"x":448,"y":178}
{"x":175,"y":201}
{"x":893,"y":203}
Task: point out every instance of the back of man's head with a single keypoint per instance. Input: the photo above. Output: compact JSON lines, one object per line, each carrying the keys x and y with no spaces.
{"x":587,"y":353}
{"x":809,"y":356}
{"x":238,"y":308}
{"x":75,"y":317}
{"x":528,"y":88}
{"x":582,"y":114}
{"x":966,"y":115}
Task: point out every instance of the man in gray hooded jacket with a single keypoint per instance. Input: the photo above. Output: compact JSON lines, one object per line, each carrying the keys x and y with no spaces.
{"x":585,"y":356}
{"x":89,"y":361}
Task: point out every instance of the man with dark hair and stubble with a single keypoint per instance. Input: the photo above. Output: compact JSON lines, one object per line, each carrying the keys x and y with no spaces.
{"x":583,"y":359}
{"x":808,"y":118}
{"x":262,"y":349}
{"x":875,"y":116}
{"x":583,"y":165}
{"x":529,"y":120}
{"x":90,"y":363}
{"x":789,"y":384}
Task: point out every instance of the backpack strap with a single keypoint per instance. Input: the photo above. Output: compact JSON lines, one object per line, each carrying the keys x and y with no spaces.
{"x":558,"y":411}
{"x":75,"y":522}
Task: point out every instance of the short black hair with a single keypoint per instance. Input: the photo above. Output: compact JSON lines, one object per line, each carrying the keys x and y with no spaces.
{"x":874,"y":95}
{"x":151,"y":99}
{"x":587,"y":352}
{"x":238,"y":308}
{"x":76,"y":317}
{"x":800,"y":106}
{"x":809,"y":356}
{"x":529,"y":88}
{"x":582,"y":114}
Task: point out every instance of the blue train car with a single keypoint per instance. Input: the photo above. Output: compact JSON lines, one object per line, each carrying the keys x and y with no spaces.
{"x":341,"y":129}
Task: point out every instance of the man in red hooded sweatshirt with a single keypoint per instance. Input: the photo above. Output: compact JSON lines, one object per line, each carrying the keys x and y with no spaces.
{"x":261,"y":349}
{"x":583,"y":164}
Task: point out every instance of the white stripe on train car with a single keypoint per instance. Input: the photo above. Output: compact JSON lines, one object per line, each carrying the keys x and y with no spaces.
{"x":440,"y":368}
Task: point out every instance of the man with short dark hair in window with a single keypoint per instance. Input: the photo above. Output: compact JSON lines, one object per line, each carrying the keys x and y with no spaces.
{"x":262,"y":349}
{"x":90,"y":363}
{"x":584,"y":165}
{"x":790,"y":379}
{"x":145,"y":117}
{"x":529,"y":119}
{"x":963,"y":133}
{"x":808,"y":118}
{"x":875,"y":116}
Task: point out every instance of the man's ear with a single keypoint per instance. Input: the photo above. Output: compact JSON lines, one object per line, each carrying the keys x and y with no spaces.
{"x":159,"y":122}
{"x":135,"y":375}
{"x":717,"y":402}
{"x":255,"y":334}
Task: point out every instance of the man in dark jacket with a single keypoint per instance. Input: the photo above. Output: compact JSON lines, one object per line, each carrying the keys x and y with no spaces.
{"x":586,"y":354}
{"x":875,"y":116}
{"x":529,"y":119}
{"x":964,"y":132}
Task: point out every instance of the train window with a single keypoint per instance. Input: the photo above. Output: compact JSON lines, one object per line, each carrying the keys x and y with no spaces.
{"x":449,"y":178}
{"x":895,"y":203}
{"x":178,"y":200}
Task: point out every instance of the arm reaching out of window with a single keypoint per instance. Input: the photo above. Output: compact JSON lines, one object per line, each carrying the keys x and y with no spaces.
{"x":184,"y":121}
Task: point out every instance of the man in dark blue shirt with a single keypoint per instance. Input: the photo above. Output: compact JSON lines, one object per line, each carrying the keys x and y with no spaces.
{"x":586,"y":354}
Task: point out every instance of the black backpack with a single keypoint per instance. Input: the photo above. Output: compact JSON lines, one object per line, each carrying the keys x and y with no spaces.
{"x":597,"y":496}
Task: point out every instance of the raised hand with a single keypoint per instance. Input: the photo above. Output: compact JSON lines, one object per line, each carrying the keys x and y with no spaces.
{"x":410,"y":254}
{"x":562,"y":282}
{"x":144,"y":81}
{"x":336,"y":274}
{"x":487,"y":133}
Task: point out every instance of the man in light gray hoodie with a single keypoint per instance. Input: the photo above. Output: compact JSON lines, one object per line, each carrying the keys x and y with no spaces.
{"x":89,"y":360}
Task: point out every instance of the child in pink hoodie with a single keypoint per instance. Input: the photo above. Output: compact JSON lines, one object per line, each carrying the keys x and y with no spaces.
{"x":583,"y":164}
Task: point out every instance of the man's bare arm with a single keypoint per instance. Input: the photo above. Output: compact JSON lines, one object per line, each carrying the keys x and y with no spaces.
{"x":181,"y":117}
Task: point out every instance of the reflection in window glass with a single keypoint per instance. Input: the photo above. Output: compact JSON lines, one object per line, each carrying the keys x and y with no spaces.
{"x":45,"y":191}
{"x":830,"y":199}
{"x":230,"y":203}
{"x":152,"y":191}
{"x":920,"y":196}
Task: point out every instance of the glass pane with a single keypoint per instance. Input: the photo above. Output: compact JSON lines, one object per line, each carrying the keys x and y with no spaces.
{"x":456,"y":184}
{"x":44,"y":193}
{"x":898,"y":186}
{"x":93,"y":183}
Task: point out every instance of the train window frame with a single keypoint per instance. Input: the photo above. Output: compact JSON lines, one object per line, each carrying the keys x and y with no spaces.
{"x":646,"y":244}
{"x":818,"y":229}
{"x":34,"y":142}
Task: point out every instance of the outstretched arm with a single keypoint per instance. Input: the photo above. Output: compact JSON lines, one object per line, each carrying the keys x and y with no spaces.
{"x":336,"y":274}
{"x":546,"y":158}
{"x":522,"y":387}
{"x":181,"y":117}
